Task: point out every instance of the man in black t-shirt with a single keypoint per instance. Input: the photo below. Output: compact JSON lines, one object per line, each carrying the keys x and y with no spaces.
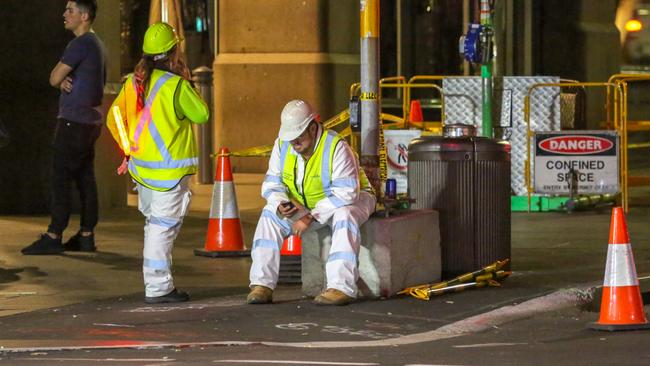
{"x":80,"y":75}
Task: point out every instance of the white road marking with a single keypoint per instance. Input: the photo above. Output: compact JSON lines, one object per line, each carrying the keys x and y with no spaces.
{"x":98,"y":359}
{"x":114,"y":325}
{"x":479,"y":345}
{"x":286,"y":362}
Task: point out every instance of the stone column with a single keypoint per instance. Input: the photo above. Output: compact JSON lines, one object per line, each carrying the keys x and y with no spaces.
{"x":270,"y":52}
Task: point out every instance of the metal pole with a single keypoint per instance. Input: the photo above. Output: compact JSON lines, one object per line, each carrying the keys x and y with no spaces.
{"x":370,"y":104}
{"x":202,"y":77}
{"x":466,"y":21}
{"x":486,"y":68}
{"x":164,"y":11}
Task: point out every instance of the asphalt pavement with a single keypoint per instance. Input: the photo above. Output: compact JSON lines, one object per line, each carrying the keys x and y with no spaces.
{"x":83,"y":308}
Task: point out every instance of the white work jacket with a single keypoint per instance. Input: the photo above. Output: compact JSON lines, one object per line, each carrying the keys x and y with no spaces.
{"x":344,"y":166}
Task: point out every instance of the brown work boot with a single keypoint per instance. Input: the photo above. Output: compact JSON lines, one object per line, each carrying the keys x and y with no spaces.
{"x":332,"y":296}
{"x":260,"y":295}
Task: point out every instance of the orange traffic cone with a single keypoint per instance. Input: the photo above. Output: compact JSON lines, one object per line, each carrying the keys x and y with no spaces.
{"x":292,"y":245}
{"x":224,"y":238}
{"x":415,"y":113}
{"x":291,"y":260}
{"x":621,"y":307}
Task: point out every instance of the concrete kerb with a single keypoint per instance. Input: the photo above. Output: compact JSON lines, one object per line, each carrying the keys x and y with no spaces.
{"x":560,"y":299}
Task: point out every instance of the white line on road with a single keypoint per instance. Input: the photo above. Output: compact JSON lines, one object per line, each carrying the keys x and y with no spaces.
{"x":480,"y":345}
{"x":286,"y":362}
{"x":114,"y":325}
{"x":98,"y":359}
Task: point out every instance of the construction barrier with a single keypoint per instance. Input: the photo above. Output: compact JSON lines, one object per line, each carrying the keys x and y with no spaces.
{"x":486,"y":276}
{"x":224,"y":237}
{"x":621,"y":307}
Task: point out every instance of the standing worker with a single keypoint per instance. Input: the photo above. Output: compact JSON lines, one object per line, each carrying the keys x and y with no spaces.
{"x":80,"y":75}
{"x":314,"y":179}
{"x":159,"y":105}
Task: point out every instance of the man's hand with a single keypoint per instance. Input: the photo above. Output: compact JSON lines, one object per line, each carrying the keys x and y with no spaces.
{"x":302,"y":225}
{"x":124,"y":167}
{"x":66,"y":84}
{"x":287,"y":209}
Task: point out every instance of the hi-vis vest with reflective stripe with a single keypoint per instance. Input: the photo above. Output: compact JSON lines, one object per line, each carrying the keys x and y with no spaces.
{"x":163,"y":149}
{"x":317,"y":179}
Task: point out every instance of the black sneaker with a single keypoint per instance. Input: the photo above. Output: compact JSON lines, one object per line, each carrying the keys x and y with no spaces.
{"x":174,"y":296}
{"x":44,"y":245}
{"x":80,"y":243}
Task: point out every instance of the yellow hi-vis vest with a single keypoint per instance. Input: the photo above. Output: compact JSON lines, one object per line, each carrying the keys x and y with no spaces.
{"x":317,"y":179}
{"x":163,"y":149}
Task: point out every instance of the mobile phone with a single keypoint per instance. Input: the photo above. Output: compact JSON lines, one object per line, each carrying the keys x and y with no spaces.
{"x":288,"y":205}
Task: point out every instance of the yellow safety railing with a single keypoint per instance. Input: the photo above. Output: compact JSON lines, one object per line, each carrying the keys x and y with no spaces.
{"x":619,"y":125}
{"x":405,"y":88}
{"x":631,"y":126}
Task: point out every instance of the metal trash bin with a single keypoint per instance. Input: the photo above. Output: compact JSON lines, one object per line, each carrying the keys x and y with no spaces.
{"x":467,"y":180}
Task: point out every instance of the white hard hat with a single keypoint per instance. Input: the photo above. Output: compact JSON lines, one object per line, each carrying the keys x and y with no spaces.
{"x":295,"y":118}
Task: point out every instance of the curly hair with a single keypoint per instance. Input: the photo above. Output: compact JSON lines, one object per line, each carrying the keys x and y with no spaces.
{"x":171,"y":61}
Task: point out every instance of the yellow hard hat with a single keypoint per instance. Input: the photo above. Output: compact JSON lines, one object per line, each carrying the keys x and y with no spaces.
{"x":159,"y":38}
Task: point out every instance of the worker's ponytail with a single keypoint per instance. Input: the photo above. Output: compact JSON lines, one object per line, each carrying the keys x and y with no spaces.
{"x":142,"y":75}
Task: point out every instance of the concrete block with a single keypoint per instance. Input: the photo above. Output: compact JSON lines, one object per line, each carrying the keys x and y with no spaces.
{"x":396,"y":252}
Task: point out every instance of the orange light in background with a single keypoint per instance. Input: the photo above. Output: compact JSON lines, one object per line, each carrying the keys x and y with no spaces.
{"x":633,"y":25}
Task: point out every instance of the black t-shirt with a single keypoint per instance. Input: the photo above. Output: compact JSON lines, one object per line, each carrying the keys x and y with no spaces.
{"x":87,"y":58}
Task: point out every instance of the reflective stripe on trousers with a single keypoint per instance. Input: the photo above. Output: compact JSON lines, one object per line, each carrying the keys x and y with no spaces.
{"x":342,"y":264}
{"x":164,"y":212}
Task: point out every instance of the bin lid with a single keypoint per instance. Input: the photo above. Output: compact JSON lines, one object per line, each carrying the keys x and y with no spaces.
{"x":461,"y":144}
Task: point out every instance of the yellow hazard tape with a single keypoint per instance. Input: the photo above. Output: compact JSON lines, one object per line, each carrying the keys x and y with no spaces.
{"x":265,"y":150}
{"x":337,"y":120}
{"x":383,"y":157}
{"x":332,"y":123}
{"x":368,"y":96}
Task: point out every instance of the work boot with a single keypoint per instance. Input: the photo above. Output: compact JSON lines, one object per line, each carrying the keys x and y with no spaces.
{"x":174,"y":296}
{"x":332,"y":296}
{"x":260,"y":295}
{"x":44,"y":245}
{"x":80,"y":243}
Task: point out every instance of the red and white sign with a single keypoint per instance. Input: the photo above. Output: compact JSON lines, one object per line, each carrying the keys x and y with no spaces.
{"x":586,"y":160}
{"x":576,"y":144}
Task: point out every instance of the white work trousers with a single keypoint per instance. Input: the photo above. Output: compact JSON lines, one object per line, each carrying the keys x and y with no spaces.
{"x":163,"y":212}
{"x":341,"y":268}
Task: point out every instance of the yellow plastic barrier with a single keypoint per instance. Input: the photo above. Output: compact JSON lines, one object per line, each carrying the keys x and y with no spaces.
{"x":620,"y":127}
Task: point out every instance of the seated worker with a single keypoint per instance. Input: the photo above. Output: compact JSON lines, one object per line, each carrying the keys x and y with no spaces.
{"x":314,"y":179}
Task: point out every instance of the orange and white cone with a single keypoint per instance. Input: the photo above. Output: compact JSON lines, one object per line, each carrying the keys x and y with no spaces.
{"x":621,"y":307}
{"x":224,"y":237}
{"x":291,"y":260}
{"x":292,"y":245}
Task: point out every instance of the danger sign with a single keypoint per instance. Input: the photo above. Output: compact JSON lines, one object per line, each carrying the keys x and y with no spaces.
{"x":587,"y":160}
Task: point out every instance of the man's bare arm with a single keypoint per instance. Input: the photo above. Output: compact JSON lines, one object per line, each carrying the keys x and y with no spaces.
{"x":59,"y":74}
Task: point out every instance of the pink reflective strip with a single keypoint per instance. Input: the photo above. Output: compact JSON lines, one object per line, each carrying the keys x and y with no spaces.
{"x":144,"y":119}
{"x":620,"y":269}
